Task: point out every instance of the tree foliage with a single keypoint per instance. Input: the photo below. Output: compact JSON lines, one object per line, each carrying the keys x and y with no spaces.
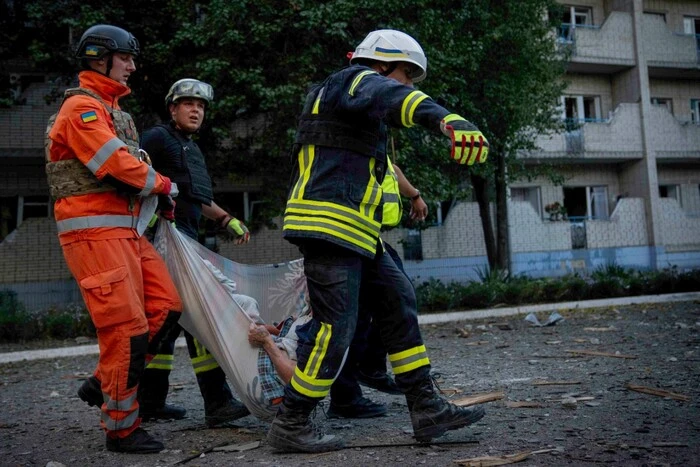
{"x":491,"y":61}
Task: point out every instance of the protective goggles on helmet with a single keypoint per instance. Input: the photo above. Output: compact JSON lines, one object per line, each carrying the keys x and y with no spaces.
{"x":189,"y":87}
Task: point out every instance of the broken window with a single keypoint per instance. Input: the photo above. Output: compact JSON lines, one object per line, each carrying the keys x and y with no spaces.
{"x":574,"y":16}
{"x":586,"y":202}
{"x":670,"y":191}
{"x":663,"y":102}
{"x":695,"y":111}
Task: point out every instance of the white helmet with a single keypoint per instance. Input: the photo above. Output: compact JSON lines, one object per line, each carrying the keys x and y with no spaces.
{"x":390,"y":45}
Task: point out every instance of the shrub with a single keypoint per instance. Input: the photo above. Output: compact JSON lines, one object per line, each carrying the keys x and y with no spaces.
{"x":15,"y":323}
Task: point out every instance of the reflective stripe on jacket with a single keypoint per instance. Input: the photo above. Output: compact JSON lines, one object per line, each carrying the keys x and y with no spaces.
{"x":391,"y":211}
{"x":84,"y":130}
{"x":341,"y":156}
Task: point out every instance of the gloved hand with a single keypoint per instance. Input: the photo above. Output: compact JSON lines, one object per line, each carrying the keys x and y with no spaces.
{"x":468,"y":143}
{"x":166,"y":206}
{"x":236,"y":228}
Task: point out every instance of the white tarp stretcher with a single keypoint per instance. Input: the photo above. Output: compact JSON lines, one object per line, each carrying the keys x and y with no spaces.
{"x":217,"y":309}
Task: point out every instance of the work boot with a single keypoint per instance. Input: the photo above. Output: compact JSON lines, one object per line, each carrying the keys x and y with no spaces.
{"x":164,"y":412}
{"x":227,"y":412}
{"x":359,"y":408}
{"x":378,"y":380}
{"x":91,"y":392}
{"x":293,"y":431}
{"x":138,"y":442}
{"x":432,"y":416}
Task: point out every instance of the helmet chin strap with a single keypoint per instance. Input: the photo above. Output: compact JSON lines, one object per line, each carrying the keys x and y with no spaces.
{"x":109,"y":65}
{"x":391,"y":67}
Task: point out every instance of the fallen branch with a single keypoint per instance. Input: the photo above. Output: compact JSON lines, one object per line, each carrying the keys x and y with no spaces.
{"x":554,"y":383}
{"x":658,"y":392}
{"x":595,"y":353}
{"x":523,"y":405}
{"x":478,"y":398}
{"x":487,"y":461}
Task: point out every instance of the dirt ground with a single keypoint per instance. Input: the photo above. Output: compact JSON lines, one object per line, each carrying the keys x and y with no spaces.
{"x":566,"y":396}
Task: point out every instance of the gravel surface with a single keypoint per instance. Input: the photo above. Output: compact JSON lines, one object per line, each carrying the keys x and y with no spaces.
{"x":566,"y":396}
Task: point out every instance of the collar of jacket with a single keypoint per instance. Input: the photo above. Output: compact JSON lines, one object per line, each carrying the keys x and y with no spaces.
{"x":109,"y":90}
{"x":179,"y":131}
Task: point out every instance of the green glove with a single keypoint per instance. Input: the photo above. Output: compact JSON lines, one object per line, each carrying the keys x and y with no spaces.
{"x":237,"y":229}
{"x":468,"y":144}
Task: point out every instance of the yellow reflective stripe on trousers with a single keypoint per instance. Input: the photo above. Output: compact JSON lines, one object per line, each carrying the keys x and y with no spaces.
{"x":89,"y":222}
{"x":305,"y":380}
{"x":408,"y":360}
{"x":409,"y":105}
{"x":161,"y":362}
{"x":204,"y":363}
{"x":306,"y":158}
{"x":357,"y":80}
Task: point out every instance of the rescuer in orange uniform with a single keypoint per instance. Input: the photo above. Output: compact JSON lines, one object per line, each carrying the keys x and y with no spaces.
{"x":100,"y":180}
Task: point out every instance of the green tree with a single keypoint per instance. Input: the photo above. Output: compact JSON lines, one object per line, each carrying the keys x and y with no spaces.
{"x":492,"y":61}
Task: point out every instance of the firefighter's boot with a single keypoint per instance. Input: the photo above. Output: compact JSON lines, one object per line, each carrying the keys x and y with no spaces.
{"x":91,"y":392}
{"x":138,"y":442}
{"x":432,"y":416}
{"x":293,"y":431}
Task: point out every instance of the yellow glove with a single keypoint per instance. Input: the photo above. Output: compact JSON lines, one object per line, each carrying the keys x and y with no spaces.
{"x":468,"y":144}
{"x":236,"y":228}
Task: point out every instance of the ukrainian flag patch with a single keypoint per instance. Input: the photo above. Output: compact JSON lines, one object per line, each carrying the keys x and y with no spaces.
{"x":392,"y":53}
{"x":88,"y":116}
{"x":92,"y":50}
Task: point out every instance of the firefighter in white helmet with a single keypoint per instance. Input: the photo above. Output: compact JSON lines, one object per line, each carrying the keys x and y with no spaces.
{"x":334,"y":214}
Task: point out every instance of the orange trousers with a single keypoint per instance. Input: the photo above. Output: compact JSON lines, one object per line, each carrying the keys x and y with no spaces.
{"x":129,"y":294}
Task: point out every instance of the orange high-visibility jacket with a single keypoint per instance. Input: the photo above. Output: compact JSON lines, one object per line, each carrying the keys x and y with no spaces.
{"x":84,"y":130}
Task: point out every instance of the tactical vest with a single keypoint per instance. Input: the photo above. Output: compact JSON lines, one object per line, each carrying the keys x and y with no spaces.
{"x":186,"y":168}
{"x":347,"y":212}
{"x":391,"y":211}
{"x":70,"y":177}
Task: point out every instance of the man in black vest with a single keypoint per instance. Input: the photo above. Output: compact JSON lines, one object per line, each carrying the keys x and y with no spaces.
{"x":174,"y":153}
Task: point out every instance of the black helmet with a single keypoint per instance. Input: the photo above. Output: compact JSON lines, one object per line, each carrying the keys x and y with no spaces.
{"x":102,"y":39}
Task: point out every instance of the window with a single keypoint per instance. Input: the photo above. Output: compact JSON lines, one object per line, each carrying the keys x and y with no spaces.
{"x":695,"y":111}
{"x":663,"y":102}
{"x":670,"y":191}
{"x":574,"y":16}
{"x":413,"y":245}
{"x":586,"y":202}
{"x":581,"y":108}
{"x":529,"y":194}
{"x":691,"y":25}
{"x":32,"y":206}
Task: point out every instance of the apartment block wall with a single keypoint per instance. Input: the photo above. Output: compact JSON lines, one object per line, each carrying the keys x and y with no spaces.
{"x":622,"y":133}
{"x":679,"y":232}
{"x":265,"y":246}
{"x":626,"y":227}
{"x":613,"y":41}
{"x":24,"y":126}
{"x":460,"y":235}
{"x":689,"y":181}
{"x":680,"y":91}
{"x":529,"y":232}
{"x":675,"y":10}
{"x":672,"y":137}
{"x":592,"y":85}
{"x":32,"y":253}
{"x":663,"y":42}
{"x":625,"y":87}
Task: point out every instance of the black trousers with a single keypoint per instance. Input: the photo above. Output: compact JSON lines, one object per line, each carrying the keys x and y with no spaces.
{"x":339,"y":282}
{"x":367,"y":351}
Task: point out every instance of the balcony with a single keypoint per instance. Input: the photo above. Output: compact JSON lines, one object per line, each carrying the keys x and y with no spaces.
{"x":607,"y":48}
{"x":673,"y":140}
{"x":669,"y":54}
{"x":616,"y":139}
